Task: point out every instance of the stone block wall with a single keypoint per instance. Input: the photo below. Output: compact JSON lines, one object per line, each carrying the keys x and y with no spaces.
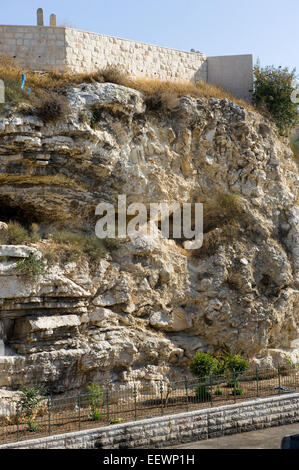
{"x":88,"y":51}
{"x":34,"y":47}
{"x":174,"y":429}
{"x":45,"y":48}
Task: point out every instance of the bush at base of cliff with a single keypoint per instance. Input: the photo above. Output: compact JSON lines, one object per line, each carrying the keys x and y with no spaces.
{"x":203,"y":365}
{"x":202,"y":394}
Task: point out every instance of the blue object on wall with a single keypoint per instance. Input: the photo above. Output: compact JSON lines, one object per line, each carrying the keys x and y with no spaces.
{"x":23,"y":81}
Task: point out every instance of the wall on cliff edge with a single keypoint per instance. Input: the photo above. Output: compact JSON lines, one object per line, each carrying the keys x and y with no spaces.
{"x":62,"y":48}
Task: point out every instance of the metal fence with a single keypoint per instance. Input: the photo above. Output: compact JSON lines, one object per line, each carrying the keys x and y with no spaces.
{"x":56,"y":415}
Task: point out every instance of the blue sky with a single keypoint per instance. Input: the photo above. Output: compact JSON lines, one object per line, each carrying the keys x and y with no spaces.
{"x":269,"y":29}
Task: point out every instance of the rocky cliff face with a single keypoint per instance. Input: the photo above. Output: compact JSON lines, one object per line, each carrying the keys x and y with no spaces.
{"x":148,"y":305}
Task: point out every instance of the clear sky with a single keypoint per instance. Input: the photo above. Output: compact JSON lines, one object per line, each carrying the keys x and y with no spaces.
{"x":269,"y":29}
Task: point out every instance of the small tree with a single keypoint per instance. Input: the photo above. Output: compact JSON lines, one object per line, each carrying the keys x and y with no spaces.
{"x":203,"y":365}
{"x":272,"y":92}
{"x":95,"y":401}
{"x":31,"y":397}
{"x":237,"y":364}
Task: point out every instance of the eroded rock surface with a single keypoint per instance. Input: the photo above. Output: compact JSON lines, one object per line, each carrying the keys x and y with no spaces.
{"x":149,"y":305}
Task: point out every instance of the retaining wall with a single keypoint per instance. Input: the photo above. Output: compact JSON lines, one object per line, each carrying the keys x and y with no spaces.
{"x":45,"y":48}
{"x":174,"y":429}
{"x":62,"y":48}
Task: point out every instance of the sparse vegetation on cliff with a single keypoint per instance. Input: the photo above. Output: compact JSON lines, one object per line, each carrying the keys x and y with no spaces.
{"x":30,"y":266}
{"x":159,"y":95}
{"x":272,"y":94}
{"x":16,"y":234}
{"x":79,"y":245}
{"x":295,"y":148}
{"x":53,"y":108}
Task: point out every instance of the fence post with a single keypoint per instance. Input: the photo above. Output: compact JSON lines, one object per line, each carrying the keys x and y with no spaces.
{"x":235,"y":387}
{"x":18,"y":426}
{"x":257,"y":383}
{"x":161,"y":393}
{"x":278,"y":369}
{"x":49,"y":416}
{"x":211,"y":389}
{"x":107,"y":405}
{"x":187,"y":392}
{"x":135,"y":401}
{"x":79,"y":411}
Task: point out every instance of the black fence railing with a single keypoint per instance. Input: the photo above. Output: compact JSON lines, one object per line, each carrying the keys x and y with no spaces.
{"x":56,"y":415}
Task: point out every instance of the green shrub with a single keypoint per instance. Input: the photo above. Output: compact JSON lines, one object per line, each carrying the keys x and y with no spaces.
{"x":95,"y":399}
{"x":238,"y":392}
{"x":53,"y":108}
{"x":272,"y":93}
{"x":237,"y":364}
{"x":232,"y":384}
{"x":203,"y":365}
{"x":30,"y":266}
{"x":30,"y":398}
{"x":116,"y":421}
{"x":202,"y":394}
{"x":218,"y":391}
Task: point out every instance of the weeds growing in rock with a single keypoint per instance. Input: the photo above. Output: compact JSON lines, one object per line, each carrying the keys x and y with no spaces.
{"x":30,"y":266}
{"x":80,"y":244}
{"x":16,"y":234}
{"x":295,"y":148}
{"x":53,"y":108}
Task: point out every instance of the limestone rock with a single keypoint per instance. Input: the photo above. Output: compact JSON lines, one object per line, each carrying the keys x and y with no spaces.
{"x":143,"y":310}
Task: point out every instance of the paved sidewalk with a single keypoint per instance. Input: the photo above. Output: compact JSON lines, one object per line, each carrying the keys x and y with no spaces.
{"x":264,"y":439}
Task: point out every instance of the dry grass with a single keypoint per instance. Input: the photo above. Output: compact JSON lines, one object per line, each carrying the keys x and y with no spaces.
{"x":295,"y":148}
{"x":16,"y":234}
{"x":213,"y":239}
{"x":225,"y":208}
{"x":65,"y":246}
{"x":169,"y":91}
{"x":53,"y":108}
{"x":159,"y":94}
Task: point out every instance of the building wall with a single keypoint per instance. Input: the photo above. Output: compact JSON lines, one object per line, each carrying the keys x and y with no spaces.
{"x":233,"y":73}
{"x":174,"y":429}
{"x":34,"y":47}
